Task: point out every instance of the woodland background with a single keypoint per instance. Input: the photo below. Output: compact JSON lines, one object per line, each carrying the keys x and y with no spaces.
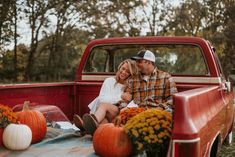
{"x":55,"y":32}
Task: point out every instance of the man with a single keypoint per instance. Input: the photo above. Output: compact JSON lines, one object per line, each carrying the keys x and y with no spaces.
{"x":153,"y":87}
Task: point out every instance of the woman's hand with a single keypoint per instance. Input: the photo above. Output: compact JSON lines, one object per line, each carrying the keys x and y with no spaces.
{"x":117,"y":120}
{"x":126,"y":97}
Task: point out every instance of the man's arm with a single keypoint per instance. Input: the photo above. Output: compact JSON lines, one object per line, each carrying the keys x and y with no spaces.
{"x":170,"y":89}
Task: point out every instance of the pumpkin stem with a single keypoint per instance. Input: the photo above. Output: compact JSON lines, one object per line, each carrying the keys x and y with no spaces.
{"x":26,"y":106}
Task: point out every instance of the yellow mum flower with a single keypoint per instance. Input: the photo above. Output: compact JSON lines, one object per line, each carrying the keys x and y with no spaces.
{"x":153,"y":123}
{"x":145,"y":129}
{"x":146,"y":138}
{"x":152,"y":136}
{"x":150,"y":129}
{"x":151,"y":132}
{"x":139,"y":145}
{"x":157,"y":127}
{"x":135,"y":133}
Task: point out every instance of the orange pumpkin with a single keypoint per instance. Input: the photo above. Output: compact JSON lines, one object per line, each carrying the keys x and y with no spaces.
{"x":35,"y":120}
{"x":110,"y":140}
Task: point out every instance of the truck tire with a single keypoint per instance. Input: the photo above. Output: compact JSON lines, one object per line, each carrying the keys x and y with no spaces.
{"x":214,"y":148}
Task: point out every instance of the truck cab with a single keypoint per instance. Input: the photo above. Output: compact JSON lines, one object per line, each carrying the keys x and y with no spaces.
{"x":204,"y":104}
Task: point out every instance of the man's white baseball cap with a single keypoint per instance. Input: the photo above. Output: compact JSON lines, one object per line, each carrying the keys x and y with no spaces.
{"x":145,"y":54}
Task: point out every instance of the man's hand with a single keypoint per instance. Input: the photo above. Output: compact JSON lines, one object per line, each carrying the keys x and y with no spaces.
{"x":126,"y":97}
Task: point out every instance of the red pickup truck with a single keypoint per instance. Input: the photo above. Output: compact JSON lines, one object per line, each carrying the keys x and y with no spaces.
{"x":204,"y":106}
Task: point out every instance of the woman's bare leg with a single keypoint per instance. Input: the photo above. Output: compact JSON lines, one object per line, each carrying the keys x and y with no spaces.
{"x":110,"y":116}
{"x":105,"y":108}
{"x":90,"y":120}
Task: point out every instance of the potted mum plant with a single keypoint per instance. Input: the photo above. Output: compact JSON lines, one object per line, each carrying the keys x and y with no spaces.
{"x":7,"y":116}
{"x":150,"y":132}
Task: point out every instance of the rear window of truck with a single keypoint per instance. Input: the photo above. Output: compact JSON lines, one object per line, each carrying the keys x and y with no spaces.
{"x":177,"y":59}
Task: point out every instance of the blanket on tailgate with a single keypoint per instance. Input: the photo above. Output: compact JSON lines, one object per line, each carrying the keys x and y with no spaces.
{"x":57,"y":143}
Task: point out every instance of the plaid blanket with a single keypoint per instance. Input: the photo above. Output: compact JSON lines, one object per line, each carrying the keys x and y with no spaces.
{"x":57,"y":143}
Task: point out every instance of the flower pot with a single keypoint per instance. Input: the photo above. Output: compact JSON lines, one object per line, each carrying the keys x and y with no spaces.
{"x":152,"y":154}
{"x":1,"y":133}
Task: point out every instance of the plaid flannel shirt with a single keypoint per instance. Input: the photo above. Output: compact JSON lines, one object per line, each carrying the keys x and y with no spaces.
{"x":157,"y":91}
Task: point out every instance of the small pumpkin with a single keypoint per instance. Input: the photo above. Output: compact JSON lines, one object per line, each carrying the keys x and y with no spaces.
{"x":110,"y":140}
{"x":17,"y":136}
{"x":35,"y":120}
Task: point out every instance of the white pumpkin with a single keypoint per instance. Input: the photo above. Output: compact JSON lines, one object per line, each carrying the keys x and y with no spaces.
{"x":17,"y":136}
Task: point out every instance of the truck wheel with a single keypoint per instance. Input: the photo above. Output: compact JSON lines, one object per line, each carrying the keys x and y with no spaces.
{"x":214,"y":148}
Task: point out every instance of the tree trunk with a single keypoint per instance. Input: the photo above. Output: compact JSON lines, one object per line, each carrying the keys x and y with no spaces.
{"x":15,"y":44}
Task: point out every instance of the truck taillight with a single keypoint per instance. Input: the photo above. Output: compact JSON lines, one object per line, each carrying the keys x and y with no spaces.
{"x":186,"y":148}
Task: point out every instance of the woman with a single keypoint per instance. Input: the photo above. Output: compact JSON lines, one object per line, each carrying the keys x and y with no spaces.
{"x":110,"y":100}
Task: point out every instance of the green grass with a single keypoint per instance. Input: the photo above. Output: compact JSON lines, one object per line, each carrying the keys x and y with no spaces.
{"x":228,"y":150}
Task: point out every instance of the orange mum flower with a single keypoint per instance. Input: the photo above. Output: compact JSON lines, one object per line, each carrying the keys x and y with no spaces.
{"x":7,"y":116}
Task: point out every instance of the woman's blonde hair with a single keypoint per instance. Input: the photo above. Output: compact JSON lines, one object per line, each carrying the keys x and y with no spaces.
{"x":132,"y":66}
